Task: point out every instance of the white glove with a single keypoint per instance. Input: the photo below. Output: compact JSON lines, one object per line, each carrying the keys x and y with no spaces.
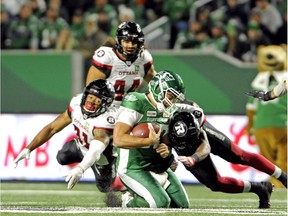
{"x":74,"y":176}
{"x":25,"y":153}
{"x":188,"y":161}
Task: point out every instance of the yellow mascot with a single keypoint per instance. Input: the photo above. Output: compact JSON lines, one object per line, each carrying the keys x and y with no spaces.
{"x":267,"y":120}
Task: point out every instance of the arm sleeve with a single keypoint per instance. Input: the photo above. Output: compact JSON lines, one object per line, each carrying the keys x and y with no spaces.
{"x":128,"y":116}
{"x":203,"y":150}
{"x":281,"y":88}
{"x":95,"y":150}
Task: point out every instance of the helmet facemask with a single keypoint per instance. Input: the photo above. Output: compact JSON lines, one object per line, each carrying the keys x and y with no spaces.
{"x":130,"y":31}
{"x":160,"y":87}
{"x":101,"y":89}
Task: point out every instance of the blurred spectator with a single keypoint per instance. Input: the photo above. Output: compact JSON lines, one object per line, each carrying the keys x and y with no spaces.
{"x":247,"y":44}
{"x":13,"y":6}
{"x":50,"y":27}
{"x":125,"y":15}
{"x":22,"y":33}
{"x":218,"y":40}
{"x":77,"y":25}
{"x":103,"y":21}
{"x":38,"y":7}
{"x":5,"y":23}
{"x":236,"y":14}
{"x":153,"y":10}
{"x":91,"y":40}
{"x":255,"y":17}
{"x":193,"y":39}
{"x":178,"y":12}
{"x":73,"y":5}
{"x":282,"y":31}
{"x":139,"y":11}
{"x":107,"y":14}
{"x":65,"y":41}
{"x":270,"y":17}
{"x":203,"y":16}
{"x":62,"y":11}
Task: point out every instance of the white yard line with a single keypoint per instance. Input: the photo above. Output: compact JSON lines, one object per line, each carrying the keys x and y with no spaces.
{"x":143,"y":210}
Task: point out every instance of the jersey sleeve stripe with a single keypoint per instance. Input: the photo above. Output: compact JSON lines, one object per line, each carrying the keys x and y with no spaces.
{"x":104,"y":128}
{"x":106,"y":69}
{"x":147,"y":66}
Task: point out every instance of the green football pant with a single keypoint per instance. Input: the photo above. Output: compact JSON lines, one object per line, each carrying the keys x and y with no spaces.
{"x":150,"y":193}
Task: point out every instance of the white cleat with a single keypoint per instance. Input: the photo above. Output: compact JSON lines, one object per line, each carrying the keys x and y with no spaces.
{"x":126,"y":198}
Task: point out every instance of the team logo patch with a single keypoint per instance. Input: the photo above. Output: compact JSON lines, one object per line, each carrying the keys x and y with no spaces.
{"x":100,"y":53}
{"x":130,"y":97}
{"x":180,"y":129}
{"x":197,"y":113}
{"x":111,"y":120}
{"x":137,"y":68}
{"x":151,"y":113}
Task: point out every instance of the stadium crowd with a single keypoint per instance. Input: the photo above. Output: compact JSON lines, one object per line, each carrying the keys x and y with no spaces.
{"x":232,"y":26}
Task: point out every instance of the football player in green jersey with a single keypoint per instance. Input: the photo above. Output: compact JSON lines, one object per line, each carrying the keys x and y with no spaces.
{"x":137,"y":157}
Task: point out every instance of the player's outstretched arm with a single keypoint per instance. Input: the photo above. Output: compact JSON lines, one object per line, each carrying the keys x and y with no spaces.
{"x":201,"y":152}
{"x":44,"y":135}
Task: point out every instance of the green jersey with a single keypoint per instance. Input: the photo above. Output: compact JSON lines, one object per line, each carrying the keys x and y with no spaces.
{"x":135,"y":109}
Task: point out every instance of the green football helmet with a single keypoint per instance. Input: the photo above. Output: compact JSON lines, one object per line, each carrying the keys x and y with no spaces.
{"x":162,"y":83}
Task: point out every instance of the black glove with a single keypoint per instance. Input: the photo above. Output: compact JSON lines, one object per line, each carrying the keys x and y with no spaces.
{"x":261,"y":95}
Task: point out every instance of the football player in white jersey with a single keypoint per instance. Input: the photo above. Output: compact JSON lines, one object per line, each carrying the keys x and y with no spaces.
{"x":93,"y":122}
{"x":123,"y":61}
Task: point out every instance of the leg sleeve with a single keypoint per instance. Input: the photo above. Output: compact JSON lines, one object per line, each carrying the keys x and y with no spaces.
{"x":222,"y":146}
{"x":207,"y":174}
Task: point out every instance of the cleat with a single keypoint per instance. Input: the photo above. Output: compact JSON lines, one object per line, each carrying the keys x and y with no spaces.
{"x":126,"y":198}
{"x":283,"y":178}
{"x":264,"y":192}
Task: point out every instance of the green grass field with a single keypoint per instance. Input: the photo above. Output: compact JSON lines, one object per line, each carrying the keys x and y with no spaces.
{"x":33,"y":198}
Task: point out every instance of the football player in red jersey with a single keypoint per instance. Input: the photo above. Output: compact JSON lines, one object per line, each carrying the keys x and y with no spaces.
{"x":93,"y":122}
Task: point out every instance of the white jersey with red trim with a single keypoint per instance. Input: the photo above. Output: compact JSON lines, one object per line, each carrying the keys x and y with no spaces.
{"x":126,"y":76}
{"x":194,"y":109}
{"x":84,"y":127}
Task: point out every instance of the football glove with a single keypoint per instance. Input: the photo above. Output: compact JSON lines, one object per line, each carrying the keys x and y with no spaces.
{"x":74,"y":176}
{"x":261,"y":95}
{"x":188,"y":161}
{"x":25,"y":153}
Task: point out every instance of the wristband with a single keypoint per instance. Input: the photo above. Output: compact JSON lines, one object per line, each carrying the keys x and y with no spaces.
{"x":81,"y":169}
{"x":195,"y":157}
{"x":267,"y":96}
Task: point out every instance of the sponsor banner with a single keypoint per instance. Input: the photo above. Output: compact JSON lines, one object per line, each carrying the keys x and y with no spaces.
{"x":17,"y":130}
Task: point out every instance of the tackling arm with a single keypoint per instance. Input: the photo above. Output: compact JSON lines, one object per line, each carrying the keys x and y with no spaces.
{"x":201,"y":152}
{"x":44,"y":135}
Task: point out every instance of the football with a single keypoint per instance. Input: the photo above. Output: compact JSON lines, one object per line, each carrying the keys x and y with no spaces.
{"x":142,"y":130}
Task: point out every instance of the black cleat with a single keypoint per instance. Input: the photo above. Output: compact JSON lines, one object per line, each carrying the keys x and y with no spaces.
{"x":264,"y":190}
{"x":283,"y":178}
